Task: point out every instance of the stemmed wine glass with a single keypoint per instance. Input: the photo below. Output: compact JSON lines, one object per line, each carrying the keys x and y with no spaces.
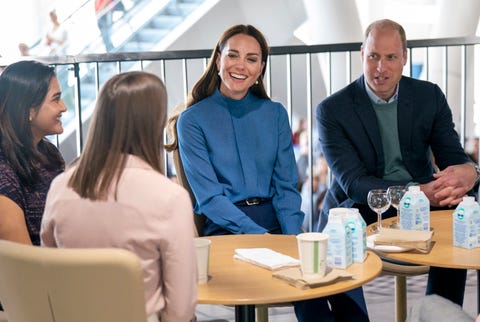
{"x":395,"y":194}
{"x":379,"y":202}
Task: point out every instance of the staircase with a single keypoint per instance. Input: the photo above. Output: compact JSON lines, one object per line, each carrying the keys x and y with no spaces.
{"x":139,"y":29}
{"x":158,"y":25}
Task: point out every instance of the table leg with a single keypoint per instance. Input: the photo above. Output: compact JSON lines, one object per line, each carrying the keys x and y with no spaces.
{"x":400,"y":298}
{"x":244,"y":313}
{"x":478,"y":291}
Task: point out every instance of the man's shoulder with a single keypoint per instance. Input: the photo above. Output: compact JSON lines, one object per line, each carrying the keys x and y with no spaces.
{"x":414,"y":83}
{"x":345,"y":96}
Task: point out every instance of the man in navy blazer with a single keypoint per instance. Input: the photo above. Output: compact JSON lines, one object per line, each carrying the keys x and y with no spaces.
{"x":383,"y":129}
{"x":352,"y":143}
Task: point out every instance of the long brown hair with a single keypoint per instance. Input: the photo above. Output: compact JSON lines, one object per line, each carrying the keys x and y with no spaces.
{"x":129,"y":118}
{"x":210,"y":80}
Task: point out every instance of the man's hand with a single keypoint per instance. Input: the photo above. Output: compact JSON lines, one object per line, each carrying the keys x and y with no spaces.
{"x":429,"y":190}
{"x":451,"y":185}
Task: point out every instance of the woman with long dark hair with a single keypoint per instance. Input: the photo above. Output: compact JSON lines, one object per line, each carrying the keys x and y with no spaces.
{"x":30,"y":109}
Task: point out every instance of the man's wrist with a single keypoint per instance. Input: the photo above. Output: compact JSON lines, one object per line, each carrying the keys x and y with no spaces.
{"x":477,"y":169}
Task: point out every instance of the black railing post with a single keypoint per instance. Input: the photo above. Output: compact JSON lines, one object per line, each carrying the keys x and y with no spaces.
{"x":78,"y":108}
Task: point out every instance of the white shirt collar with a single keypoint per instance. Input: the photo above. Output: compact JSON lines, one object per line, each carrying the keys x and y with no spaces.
{"x":377,"y":100}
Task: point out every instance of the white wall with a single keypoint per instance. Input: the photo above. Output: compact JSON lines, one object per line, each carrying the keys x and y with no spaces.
{"x":28,"y":20}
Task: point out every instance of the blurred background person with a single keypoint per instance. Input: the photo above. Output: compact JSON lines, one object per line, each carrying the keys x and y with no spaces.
{"x":23,"y":49}
{"x":301,"y":127}
{"x":104,"y":11}
{"x":314,"y":195}
{"x":56,"y":37}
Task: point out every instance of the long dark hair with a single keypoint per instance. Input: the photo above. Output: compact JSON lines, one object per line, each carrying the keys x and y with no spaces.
{"x":24,"y":85}
{"x":210,"y":80}
{"x":129,"y":118}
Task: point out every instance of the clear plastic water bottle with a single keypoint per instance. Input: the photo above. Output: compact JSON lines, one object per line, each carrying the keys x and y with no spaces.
{"x":339,"y":252}
{"x":466,"y":224}
{"x":414,"y":210}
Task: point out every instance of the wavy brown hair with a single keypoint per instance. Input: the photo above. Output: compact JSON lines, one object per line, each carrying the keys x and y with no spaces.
{"x":129,"y":118}
{"x":210,"y":80}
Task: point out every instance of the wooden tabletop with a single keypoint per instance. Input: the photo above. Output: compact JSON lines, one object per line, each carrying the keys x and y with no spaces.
{"x":235,"y":282}
{"x":443,"y":253}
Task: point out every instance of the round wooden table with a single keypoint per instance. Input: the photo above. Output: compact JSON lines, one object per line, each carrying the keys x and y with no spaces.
{"x":443,"y":253}
{"x":235,"y":282}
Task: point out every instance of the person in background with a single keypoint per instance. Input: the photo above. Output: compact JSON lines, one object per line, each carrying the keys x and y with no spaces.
{"x":23,"y":49}
{"x":380,"y":131}
{"x":115,"y":195}
{"x":104,"y":10}
{"x":56,"y":37}
{"x":314,"y":197}
{"x":31,"y":108}
{"x":301,"y":158}
{"x":301,"y":127}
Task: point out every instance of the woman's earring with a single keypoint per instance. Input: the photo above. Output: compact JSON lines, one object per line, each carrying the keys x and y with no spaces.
{"x":256,"y":82}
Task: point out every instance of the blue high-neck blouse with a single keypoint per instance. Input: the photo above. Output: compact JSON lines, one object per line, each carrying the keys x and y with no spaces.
{"x":237,"y":149}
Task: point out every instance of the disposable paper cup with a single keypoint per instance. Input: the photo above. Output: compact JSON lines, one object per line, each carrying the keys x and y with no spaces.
{"x":202,"y":249}
{"x":312,"y":248}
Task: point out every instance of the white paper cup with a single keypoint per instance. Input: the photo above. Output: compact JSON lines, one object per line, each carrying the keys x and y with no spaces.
{"x":202,"y":249}
{"x":312,"y":248}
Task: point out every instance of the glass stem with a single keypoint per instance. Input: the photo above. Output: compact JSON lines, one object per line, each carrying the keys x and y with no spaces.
{"x":398,"y":217}
{"x":379,"y":220}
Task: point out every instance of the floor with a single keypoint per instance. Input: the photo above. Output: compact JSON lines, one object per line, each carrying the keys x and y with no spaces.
{"x":379,"y":295}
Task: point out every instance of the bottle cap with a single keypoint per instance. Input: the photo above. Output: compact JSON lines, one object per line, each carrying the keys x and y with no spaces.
{"x":337,"y":211}
{"x":469,"y":200}
{"x":414,"y":188}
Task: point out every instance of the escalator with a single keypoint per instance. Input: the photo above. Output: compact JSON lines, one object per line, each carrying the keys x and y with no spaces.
{"x":139,"y":29}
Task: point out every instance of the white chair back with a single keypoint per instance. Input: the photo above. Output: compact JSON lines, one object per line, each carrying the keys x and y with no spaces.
{"x":74,"y":285}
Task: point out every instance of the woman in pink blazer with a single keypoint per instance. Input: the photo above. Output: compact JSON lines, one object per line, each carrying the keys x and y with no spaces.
{"x":115,"y":195}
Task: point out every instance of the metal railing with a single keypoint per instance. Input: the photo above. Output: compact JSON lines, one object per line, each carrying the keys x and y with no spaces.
{"x":297,"y":76}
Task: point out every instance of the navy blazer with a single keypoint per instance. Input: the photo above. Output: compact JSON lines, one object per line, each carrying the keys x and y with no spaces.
{"x":351,"y":142}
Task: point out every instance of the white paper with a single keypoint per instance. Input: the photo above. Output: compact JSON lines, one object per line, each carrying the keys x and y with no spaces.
{"x":265,"y":258}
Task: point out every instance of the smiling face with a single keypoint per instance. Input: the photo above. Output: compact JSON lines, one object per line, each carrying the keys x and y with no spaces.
{"x":383,"y":58}
{"x":240,"y":65}
{"x":47,"y":119}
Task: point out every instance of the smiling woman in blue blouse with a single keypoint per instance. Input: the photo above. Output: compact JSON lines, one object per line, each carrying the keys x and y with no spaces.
{"x":235,"y":143}
{"x":236,"y":149}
